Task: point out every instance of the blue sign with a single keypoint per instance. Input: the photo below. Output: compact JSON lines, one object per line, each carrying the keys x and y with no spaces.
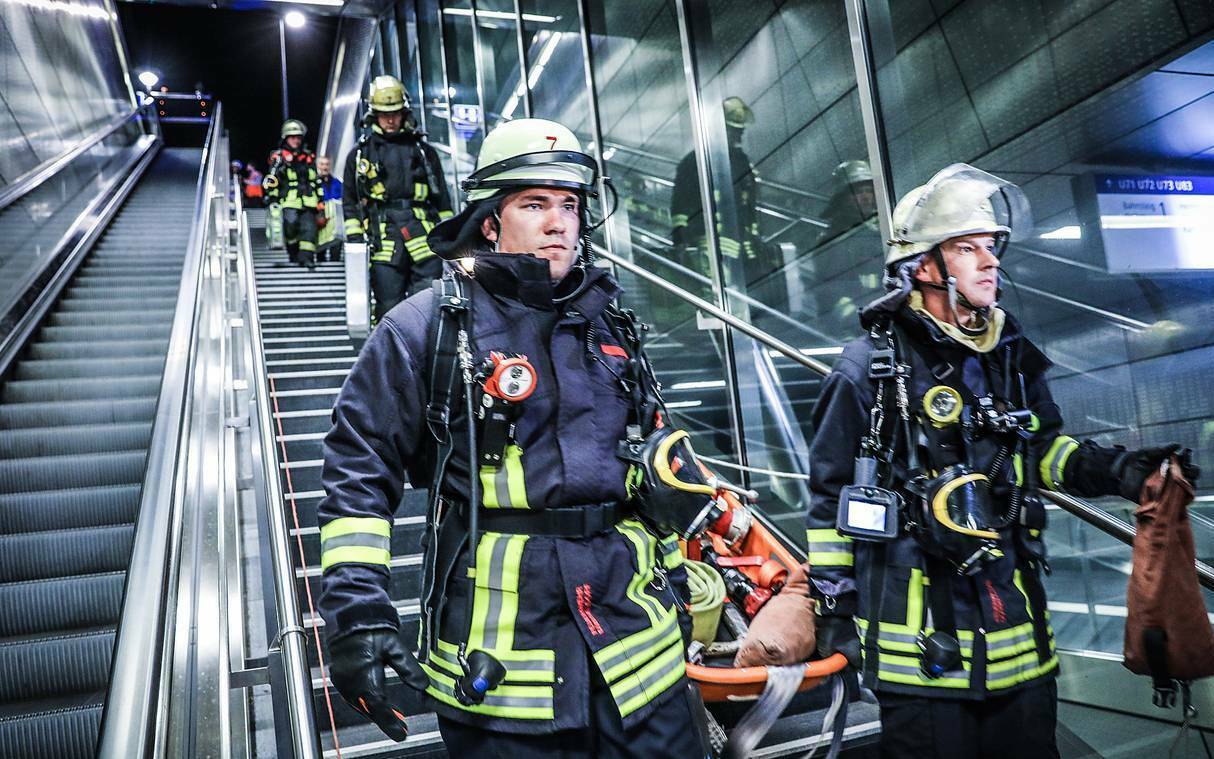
{"x":465,"y":118}
{"x":1139,"y":184}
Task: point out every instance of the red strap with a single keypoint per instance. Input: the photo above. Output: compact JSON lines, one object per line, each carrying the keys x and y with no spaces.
{"x":741,"y":561}
{"x":612,"y":350}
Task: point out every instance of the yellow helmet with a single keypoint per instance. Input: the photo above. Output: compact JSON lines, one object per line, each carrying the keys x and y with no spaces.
{"x":530,"y":153}
{"x":388,"y":95}
{"x":959,"y":200}
{"x":292,"y":127}
{"x":737,"y":113}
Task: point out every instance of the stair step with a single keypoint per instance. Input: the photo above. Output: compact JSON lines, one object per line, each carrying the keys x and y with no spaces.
{"x":33,"y":391}
{"x":85,"y":412}
{"x":75,"y":471}
{"x":60,"y":441}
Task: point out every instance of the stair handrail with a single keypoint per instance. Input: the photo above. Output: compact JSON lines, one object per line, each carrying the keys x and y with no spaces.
{"x":133,"y":724}
{"x":1078,"y":507}
{"x":36,"y":176}
{"x":290,"y":636}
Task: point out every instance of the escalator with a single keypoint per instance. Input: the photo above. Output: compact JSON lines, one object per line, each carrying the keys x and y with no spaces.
{"x":76,"y":415}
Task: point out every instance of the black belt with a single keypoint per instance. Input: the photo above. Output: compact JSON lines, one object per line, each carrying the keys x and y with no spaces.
{"x":400,"y":205}
{"x":563,"y":522}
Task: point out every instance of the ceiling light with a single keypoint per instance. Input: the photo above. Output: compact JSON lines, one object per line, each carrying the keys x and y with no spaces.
{"x":148,"y":79}
{"x":295,"y":19}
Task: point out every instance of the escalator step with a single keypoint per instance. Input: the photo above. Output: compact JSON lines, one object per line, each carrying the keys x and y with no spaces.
{"x":76,"y":471}
{"x":111,"y":332}
{"x":60,"y":441}
{"x":46,"y":666}
{"x":86,"y":318}
{"x":98,"y":349}
{"x":64,"y":729}
{"x":63,"y":553}
{"x":77,"y":412}
{"x":103,"y":290}
{"x":62,"y":603}
{"x":33,"y":391}
{"x":69,"y":509}
{"x":80,"y":368}
{"x":71,"y":304}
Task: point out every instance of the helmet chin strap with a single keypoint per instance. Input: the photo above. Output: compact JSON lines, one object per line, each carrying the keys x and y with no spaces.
{"x":956,"y":298}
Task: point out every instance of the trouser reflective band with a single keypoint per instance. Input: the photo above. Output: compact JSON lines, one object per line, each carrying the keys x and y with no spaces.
{"x":356,"y":540}
{"x":503,"y":487}
{"x":1021,"y":669}
{"x":679,"y":220}
{"x":418,"y":249}
{"x":1053,"y":463}
{"x":353,"y":226}
{"x":494,"y":612}
{"x":644,"y":665}
{"x":444,"y":215}
{"x":827,"y":548}
{"x":307,"y":245}
{"x":421,"y":190}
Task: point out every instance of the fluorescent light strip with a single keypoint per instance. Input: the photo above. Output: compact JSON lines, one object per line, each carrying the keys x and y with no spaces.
{"x":701,"y":385}
{"x":684,"y":404}
{"x":533,"y":77}
{"x":334,"y":3}
{"x":503,"y":15}
{"x":1069,"y":232}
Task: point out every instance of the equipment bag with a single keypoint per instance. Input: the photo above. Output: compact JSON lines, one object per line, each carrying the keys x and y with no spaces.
{"x":1167,"y":632}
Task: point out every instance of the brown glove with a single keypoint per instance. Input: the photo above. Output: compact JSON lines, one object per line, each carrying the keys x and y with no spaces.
{"x":783,"y":630}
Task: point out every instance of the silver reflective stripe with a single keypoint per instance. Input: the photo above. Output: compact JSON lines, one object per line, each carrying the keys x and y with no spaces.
{"x":364,"y":539}
{"x":643,"y":686}
{"x":512,"y":664}
{"x":501,"y":486}
{"x":497,"y":565}
{"x":625,"y":655}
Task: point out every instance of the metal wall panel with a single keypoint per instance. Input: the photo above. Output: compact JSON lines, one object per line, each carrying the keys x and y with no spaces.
{"x":347,"y":80}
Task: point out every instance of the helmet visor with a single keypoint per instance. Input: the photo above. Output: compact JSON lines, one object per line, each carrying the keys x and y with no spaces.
{"x":963,"y":200}
{"x":568,"y":169}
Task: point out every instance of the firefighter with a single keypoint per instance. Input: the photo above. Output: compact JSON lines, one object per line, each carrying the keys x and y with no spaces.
{"x":934,"y":434}
{"x":329,"y":240}
{"x":686,"y":211}
{"x":394,"y":194}
{"x":568,"y":642}
{"x":294,"y":186}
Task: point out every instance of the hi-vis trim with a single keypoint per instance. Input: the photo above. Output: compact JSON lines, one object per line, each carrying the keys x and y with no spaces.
{"x":650,"y":681}
{"x":522,"y":667}
{"x":644,"y":543}
{"x":418,"y":249}
{"x":1053,"y":463}
{"x":495,"y":605}
{"x":672,"y":558}
{"x":503,"y":487}
{"x":508,"y":701}
{"x":827,"y":548}
{"x":353,"y":226}
{"x":421,"y":190}
{"x":356,"y":540}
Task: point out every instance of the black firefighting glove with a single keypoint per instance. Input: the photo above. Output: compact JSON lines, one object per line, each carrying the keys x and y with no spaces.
{"x":356,"y":665}
{"x":838,"y":635}
{"x":1134,"y":467}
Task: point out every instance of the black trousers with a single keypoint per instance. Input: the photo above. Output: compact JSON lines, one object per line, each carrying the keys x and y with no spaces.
{"x":299,"y":234}
{"x":1019,"y":725}
{"x":392,"y":284}
{"x":669,"y":732}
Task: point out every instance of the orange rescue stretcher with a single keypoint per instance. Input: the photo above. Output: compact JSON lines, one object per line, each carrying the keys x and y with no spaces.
{"x":719,"y":684}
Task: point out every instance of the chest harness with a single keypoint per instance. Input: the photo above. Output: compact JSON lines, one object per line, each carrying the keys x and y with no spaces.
{"x":927,"y":451}
{"x":370,"y":180}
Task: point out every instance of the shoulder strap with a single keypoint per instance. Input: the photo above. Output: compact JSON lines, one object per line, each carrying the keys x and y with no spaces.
{"x":451,"y":307}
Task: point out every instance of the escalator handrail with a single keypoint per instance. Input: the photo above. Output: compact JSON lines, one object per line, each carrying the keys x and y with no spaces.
{"x":1093,"y":515}
{"x":36,"y":176}
{"x":290,"y":635}
{"x":132,"y":724}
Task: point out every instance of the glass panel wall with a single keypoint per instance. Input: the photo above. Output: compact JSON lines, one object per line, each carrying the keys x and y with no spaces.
{"x":1101,"y":112}
{"x":642,"y":101}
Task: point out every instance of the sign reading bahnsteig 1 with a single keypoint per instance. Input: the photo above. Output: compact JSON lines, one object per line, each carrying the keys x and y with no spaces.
{"x":1156,"y":223}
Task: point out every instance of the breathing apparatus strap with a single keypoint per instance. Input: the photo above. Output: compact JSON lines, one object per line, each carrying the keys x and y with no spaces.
{"x":645,"y":397}
{"x":452,"y":309}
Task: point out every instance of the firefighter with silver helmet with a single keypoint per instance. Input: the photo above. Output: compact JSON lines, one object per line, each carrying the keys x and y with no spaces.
{"x":293,"y":186}
{"x":393,"y":196}
{"x":516,"y":390}
{"x":934,"y":435}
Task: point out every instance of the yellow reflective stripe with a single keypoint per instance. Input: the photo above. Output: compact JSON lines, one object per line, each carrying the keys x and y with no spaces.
{"x":827,"y":535}
{"x":830,"y":559}
{"x":353,"y":226}
{"x":644,"y":544}
{"x":507,"y":701}
{"x":355,"y":555}
{"x":905,"y":669}
{"x":445,"y":214}
{"x":505,"y":487}
{"x":679,"y":220}
{"x":307,"y":245}
{"x":1053,"y":463}
{"x":1018,"y":468}
{"x":351,"y":525}
{"x":418,"y":248}
{"x":1025,"y":674}
{"x":421,"y":190}
{"x":535,"y":666}
{"x":635,"y":651}
{"x":495,"y":605}
{"x":1011,"y":632}
{"x":651,"y":681}
{"x":672,"y":558}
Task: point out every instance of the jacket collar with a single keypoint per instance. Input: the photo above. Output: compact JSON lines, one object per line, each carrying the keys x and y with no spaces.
{"x":524,"y":278}
{"x":920,"y":327}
